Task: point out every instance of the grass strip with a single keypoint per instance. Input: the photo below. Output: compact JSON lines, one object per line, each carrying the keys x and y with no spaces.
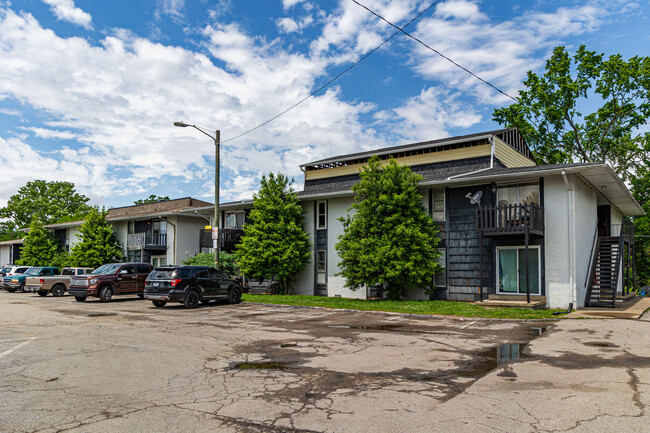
{"x":445,"y":308}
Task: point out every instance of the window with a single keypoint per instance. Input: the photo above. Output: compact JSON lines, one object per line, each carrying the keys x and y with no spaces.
{"x":321,"y":266}
{"x":321,"y":215}
{"x":440,"y":279}
{"x":142,"y":269}
{"x":523,"y":193}
{"x":235,"y":219}
{"x":438,"y":204}
{"x":511,"y":268}
{"x":127,"y":270}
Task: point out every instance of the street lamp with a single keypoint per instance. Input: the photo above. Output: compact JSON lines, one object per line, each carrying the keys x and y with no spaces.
{"x":217,"y":149}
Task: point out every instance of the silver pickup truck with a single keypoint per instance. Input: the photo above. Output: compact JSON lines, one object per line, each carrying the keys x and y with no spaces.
{"x":57,"y":284}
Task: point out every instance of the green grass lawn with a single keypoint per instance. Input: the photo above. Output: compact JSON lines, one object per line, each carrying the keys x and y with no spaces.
{"x":449,"y":308}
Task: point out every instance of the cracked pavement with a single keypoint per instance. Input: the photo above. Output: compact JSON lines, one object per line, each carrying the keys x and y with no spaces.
{"x":127,"y":366}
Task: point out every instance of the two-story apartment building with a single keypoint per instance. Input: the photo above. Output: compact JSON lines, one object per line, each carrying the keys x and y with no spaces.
{"x":555,"y":234}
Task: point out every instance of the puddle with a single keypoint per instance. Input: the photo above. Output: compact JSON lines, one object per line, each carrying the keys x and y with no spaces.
{"x":367,"y":328}
{"x":261,"y":365}
{"x":600,"y":344}
{"x":537,"y":331}
{"x":101,"y":314}
{"x":493,"y":358}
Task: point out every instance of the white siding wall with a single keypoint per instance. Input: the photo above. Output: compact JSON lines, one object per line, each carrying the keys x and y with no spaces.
{"x":304,"y":282}
{"x":5,"y":253}
{"x":121,"y":228}
{"x":585,"y":220}
{"x":337,"y":207}
{"x":74,"y":236}
{"x":187,"y":239}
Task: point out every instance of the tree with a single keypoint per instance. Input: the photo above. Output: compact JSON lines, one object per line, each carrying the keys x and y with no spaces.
{"x":389,"y":241}
{"x":274,"y":246}
{"x":550,"y":113}
{"x":227,"y":265}
{"x":39,"y":247}
{"x":50,"y":202}
{"x":641,"y":192}
{"x":98,"y":244}
{"x":153,"y":198}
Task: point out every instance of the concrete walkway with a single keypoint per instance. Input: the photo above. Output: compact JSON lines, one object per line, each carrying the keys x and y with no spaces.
{"x":627,"y":310}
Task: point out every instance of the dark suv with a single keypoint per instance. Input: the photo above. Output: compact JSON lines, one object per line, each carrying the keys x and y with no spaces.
{"x":190,"y":285}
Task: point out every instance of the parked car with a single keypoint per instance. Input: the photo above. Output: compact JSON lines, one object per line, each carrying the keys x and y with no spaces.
{"x":190,"y":285}
{"x":57,"y":284}
{"x":10,"y":270}
{"x":109,"y":280}
{"x":17,"y":280}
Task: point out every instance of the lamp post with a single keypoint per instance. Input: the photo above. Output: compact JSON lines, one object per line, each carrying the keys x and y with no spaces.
{"x":217,"y":149}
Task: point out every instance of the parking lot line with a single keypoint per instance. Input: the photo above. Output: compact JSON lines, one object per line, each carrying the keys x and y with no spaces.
{"x":7,"y":352}
{"x":468,"y":325}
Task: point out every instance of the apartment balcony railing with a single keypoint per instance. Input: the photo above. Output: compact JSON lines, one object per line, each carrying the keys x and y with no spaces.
{"x":146,"y":241}
{"x":510,"y":219}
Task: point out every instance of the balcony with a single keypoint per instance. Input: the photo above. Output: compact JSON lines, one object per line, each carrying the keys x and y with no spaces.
{"x":146,"y":241}
{"x":510,"y":219}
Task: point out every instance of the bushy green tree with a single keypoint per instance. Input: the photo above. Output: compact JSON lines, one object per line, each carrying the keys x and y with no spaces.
{"x":227,"y":265}
{"x":585,"y":109}
{"x":62,"y":259}
{"x":274,"y":246}
{"x":389,"y":240}
{"x":49,"y":202}
{"x":153,"y":198}
{"x":98,"y":244}
{"x":39,"y":247}
{"x":641,"y":191}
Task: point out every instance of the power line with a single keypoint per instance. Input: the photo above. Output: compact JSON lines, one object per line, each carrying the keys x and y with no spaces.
{"x":436,"y":51}
{"x":338,"y":76}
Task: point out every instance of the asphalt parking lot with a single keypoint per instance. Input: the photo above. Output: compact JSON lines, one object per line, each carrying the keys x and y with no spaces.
{"x":128,"y":366}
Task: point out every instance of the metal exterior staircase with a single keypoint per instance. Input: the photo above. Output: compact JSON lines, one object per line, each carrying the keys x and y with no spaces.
{"x":603,"y":274}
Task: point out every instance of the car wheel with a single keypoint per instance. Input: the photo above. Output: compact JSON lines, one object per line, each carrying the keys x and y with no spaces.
{"x":159,"y":304}
{"x":192,"y":299}
{"x":234,"y":295}
{"x":105,"y":294}
{"x":58,"y":291}
{"x":80,"y":298}
{"x":11,"y":290}
{"x":42,"y":292}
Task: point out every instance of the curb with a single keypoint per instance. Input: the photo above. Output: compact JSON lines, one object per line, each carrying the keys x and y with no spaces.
{"x":414,"y":315}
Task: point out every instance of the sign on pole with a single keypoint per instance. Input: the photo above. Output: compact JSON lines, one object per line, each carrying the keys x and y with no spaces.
{"x":215,"y":233}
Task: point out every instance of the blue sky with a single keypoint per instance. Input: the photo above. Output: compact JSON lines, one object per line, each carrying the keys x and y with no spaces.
{"x":89,"y":89}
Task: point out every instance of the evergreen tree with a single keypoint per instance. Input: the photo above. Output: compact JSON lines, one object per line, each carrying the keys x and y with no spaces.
{"x":274,"y":246}
{"x":98,"y":243}
{"x":390,"y":240}
{"x":40,"y":247}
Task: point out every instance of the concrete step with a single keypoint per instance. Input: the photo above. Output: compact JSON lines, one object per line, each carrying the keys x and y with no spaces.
{"x":498,"y":303}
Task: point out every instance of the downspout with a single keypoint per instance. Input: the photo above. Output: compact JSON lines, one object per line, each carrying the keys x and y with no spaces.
{"x":174,"y":243}
{"x":482,"y":169}
{"x":571,"y":244}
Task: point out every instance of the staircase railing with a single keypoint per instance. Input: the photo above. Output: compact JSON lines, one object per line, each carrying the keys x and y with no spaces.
{"x":589,"y":281}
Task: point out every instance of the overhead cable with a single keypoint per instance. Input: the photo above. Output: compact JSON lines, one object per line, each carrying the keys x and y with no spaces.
{"x":337,"y":77}
{"x":437,"y":52}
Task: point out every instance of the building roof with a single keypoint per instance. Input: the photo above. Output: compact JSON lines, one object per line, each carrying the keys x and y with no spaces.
{"x":64,"y":225}
{"x":599,"y":175}
{"x":511,"y":135}
{"x":160,"y":208}
{"x":13,"y":242}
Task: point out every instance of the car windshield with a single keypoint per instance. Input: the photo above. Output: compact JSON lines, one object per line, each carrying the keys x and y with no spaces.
{"x":33,"y":271}
{"x":5,"y":270}
{"x":106,"y":269}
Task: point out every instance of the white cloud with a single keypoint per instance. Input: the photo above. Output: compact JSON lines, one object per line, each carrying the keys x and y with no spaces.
{"x":287,"y":25}
{"x":65,"y":10}
{"x":287,"y":4}
{"x":52,"y":133}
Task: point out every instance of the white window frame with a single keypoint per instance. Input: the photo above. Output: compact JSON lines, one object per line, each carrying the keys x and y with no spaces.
{"x":318,"y":214}
{"x":234,"y":212}
{"x":434,"y":193}
{"x":539,"y":267}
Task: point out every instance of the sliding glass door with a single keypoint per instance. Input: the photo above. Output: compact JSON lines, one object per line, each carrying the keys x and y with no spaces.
{"x":511,"y":268}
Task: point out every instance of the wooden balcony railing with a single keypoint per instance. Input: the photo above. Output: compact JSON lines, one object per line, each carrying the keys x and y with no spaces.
{"x":510,"y":219}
